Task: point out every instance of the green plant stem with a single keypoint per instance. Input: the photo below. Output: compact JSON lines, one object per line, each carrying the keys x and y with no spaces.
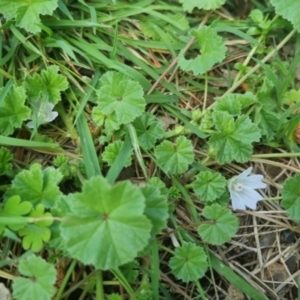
{"x":99,"y":286}
{"x":272,"y":155}
{"x":65,"y":280}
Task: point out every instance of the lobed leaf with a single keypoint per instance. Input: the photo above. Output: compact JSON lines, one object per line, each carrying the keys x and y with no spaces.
{"x":212,"y":48}
{"x":34,"y":235}
{"x":27,"y":13}
{"x":149,"y":129}
{"x":189,"y":262}
{"x":221,"y":227}
{"x":37,"y":281}
{"x":107,"y":226}
{"x":233,"y":139}
{"x":209,"y":185}
{"x":121,"y":96}
{"x":291,"y":196}
{"x":36,"y":185}
{"x":13,"y":112}
{"x":47,"y":86}
{"x":175,"y":158}
{"x":288,"y":9}
{"x":156,"y":208}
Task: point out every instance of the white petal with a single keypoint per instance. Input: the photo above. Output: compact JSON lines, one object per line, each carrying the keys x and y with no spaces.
{"x":245,"y":173}
{"x":237,"y":201}
{"x":50,"y":117}
{"x":30,"y":124}
{"x":254,"y":182}
{"x":251,"y":197}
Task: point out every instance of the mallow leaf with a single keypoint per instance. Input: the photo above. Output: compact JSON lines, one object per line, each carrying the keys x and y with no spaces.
{"x":291,"y":196}
{"x":156,"y":208}
{"x":12,"y":110}
{"x":27,"y":13}
{"x":221,"y":226}
{"x":233,"y":138}
{"x":209,"y":185}
{"x":148,"y":129}
{"x":189,"y":5}
{"x":15,"y":208}
{"x":36,"y":185}
{"x":212,"y":49}
{"x":122,"y":96}
{"x":5,"y":161}
{"x":36,"y":281}
{"x":189,"y":262}
{"x":47,"y":86}
{"x":107,"y":226}
{"x":288,"y":9}
{"x":35,"y":234}
{"x":111,"y":152}
{"x":175,"y":158}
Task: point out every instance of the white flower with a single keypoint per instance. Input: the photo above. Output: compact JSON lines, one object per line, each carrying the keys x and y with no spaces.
{"x":242,"y":190}
{"x":42,"y":113}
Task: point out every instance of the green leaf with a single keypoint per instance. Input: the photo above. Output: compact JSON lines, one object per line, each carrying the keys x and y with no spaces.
{"x":5,"y":158}
{"x":157,"y":182}
{"x":15,"y":208}
{"x":37,"y":282}
{"x":221,"y":226}
{"x":36,"y":185}
{"x":189,"y":5}
{"x":175,"y":158}
{"x":111,"y":152}
{"x":122,"y":96}
{"x":209,"y":185}
{"x":13,"y":111}
{"x":149,"y":129}
{"x":47,"y":86}
{"x":156,"y":208}
{"x":34,"y":235}
{"x":288,"y":9}
{"x":233,"y":139}
{"x":27,"y":13}
{"x":107,"y":226}
{"x":110,"y":122}
{"x":268,"y":122}
{"x":291,"y":196}
{"x":212,"y":48}
{"x":189,"y":262}
{"x":234,"y":103}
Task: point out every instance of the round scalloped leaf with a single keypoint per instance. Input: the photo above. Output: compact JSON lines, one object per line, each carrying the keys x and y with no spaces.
{"x":221,"y":226}
{"x":35,"y":234}
{"x":156,"y":208}
{"x":111,"y":152}
{"x":189,"y":262}
{"x":209,"y":186}
{"x":107,"y":226}
{"x":36,"y":185}
{"x":288,"y":9}
{"x":291,"y":196}
{"x":121,"y":95}
{"x":212,"y":48}
{"x":38,"y":281}
{"x":189,"y":5}
{"x":148,"y":129}
{"x":175,"y":158}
